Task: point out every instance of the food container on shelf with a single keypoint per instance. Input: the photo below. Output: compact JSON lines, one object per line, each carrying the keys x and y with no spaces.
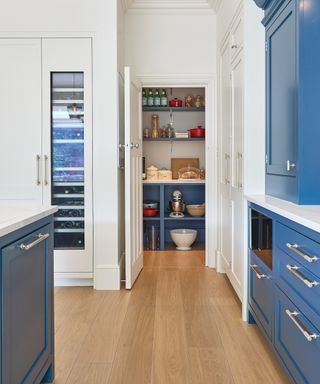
{"x":150,"y":204}
{"x":197,"y":132}
{"x":189,"y":101}
{"x":164,"y":174}
{"x":152,"y":173}
{"x":196,"y":210}
{"x":155,"y":126}
{"x":150,"y":212}
{"x":189,"y":173}
{"x":175,"y":102}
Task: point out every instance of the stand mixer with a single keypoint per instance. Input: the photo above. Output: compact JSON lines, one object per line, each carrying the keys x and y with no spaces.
{"x":177,"y":204}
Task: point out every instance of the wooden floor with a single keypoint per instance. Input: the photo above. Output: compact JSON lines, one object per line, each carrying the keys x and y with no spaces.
{"x":179,"y":324}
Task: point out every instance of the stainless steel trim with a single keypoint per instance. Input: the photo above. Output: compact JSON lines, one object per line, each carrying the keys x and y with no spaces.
{"x":295,"y":271}
{"x":259,"y":275}
{"x":38,"y":157}
{"x":297,"y":322}
{"x":290,"y":165}
{"x":295,"y":248}
{"x":40,"y":238}
{"x":46,"y":182}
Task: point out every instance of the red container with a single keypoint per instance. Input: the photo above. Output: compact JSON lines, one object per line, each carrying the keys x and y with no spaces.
{"x":150,"y":212}
{"x":197,"y":132}
{"x":175,"y":103}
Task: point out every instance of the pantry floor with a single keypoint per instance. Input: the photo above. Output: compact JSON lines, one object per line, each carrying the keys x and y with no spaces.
{"x":181,"y":323}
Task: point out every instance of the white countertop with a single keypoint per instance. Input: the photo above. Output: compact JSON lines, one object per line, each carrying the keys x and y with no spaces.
{"x":15,"y":217}
{"x":307,"y":215}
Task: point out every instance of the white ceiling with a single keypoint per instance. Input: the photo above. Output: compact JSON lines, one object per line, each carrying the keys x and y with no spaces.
{"x":172,"y":5}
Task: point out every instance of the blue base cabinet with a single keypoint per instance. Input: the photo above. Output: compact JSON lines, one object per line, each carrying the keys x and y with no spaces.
{"x":27,"y":305}
{"x":284,"y":296}
{"x":292,"y":110}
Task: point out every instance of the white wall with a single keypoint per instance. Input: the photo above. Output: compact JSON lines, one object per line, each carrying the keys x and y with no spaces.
{"x":163,"y":44}
{"x":97,"y":19}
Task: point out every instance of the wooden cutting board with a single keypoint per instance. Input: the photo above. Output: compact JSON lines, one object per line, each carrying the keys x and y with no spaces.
{"x":177,"y":163}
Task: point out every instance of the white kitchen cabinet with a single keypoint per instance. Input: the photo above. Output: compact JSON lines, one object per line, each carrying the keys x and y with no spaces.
{"x":30,"y":104}
{"x":231,"y":154}
{"x":21,"y":163}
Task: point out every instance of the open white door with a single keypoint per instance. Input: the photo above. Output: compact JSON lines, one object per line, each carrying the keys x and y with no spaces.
{"x":133,"y":179}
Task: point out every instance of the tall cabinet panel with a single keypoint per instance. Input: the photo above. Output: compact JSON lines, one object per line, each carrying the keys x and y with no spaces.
{"x":292,"y":83}
{"x":281,"y":100}
{"x":67,"y":141}
{"x":231,"y":153}
{"x":225,"y":154}
{"x":20,"y":100}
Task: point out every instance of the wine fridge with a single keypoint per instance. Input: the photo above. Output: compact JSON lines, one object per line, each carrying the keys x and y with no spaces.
{"x":68,"y":133}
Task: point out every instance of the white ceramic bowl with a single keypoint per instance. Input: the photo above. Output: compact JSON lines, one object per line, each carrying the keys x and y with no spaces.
{"x":183,"y":238}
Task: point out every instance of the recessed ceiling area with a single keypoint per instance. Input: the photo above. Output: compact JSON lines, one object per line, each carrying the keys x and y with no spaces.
{"x":196,"y":5}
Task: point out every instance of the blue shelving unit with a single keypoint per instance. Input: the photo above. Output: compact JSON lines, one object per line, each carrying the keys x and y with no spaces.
{"x":193,"y":193}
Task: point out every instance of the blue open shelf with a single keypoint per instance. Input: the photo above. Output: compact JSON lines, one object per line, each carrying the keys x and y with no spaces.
{"x":193,"y":193}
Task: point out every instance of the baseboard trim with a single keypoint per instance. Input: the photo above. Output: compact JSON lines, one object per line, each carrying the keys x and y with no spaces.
{"x":107,"y":277}
{"x":65,"y":282}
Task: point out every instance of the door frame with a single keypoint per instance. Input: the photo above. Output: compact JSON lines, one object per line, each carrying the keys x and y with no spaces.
{"x":209,"y":83}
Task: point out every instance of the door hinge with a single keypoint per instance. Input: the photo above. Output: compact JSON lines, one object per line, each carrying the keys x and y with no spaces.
{"x":266,"y":159}
{"x":266,"y":46}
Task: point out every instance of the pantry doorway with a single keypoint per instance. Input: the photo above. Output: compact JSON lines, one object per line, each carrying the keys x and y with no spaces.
{"x":179,"y":165}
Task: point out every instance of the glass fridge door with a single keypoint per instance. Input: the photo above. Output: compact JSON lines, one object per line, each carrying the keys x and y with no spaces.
{"x":67,"y":149}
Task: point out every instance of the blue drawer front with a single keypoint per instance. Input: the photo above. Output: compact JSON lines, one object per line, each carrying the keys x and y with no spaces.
{"x":291,"y":275}
{"x":300,"y":355}
{"x":294,"y":243}
{"x":260,"y":293}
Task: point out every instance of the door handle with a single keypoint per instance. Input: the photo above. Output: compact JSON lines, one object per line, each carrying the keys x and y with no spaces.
{"x":290,"y":165}
{"x":46,"y":182}
{"x":39,"y":239}
{"x":134,"y":146}
{"x":258,"y":274}
{"x":295,"y":248}
{"x":238,"y":160}
{"x":38,"y":169}
{"x":295,"y":271}
{"x":227,"y":158}
{"x":293,"y":315}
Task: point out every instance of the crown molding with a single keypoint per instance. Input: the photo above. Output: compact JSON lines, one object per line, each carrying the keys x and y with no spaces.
{"x":170,"y":6}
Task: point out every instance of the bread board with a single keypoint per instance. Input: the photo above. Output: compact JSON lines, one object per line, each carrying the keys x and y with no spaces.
{"x":178,"y":163}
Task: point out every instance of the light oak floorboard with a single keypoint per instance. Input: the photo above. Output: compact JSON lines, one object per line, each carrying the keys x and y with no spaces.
{"x":181,"y":323}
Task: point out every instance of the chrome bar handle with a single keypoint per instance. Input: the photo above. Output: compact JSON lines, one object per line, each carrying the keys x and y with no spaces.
{"x":40,"y":238}
{"x":295,"y":271}
{"x":134,"y":146}
{"x":295,"y":248}
{"x":259,"y":275}
{"x":290,"y":165}
{"x":46,"y":182}
{"x":38,"y":157}
{"x":293,"y":315}
{"x":227,"y":158}
{"x":239,"y":158}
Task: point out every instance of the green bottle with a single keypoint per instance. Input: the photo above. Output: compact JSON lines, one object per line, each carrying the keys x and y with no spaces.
{"x":164,"y":98}
{"x":150,"y":98}
{"x":157,"y":100}
{"x":144,"y":98}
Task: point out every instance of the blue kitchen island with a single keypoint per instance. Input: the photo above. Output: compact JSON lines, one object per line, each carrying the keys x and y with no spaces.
{"x":27,"y":328}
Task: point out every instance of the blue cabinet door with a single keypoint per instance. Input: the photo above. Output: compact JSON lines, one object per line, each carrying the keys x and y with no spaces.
{"x":26,"y":308}
{"x":297,"y":331}
{"x":260,"y":293}
{"x":281,"y":94}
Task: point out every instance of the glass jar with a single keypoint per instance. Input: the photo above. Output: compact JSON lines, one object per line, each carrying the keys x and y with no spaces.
{"x":147,"y":133}
{"x":169,"y":131}
{"x":155,"y":126}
